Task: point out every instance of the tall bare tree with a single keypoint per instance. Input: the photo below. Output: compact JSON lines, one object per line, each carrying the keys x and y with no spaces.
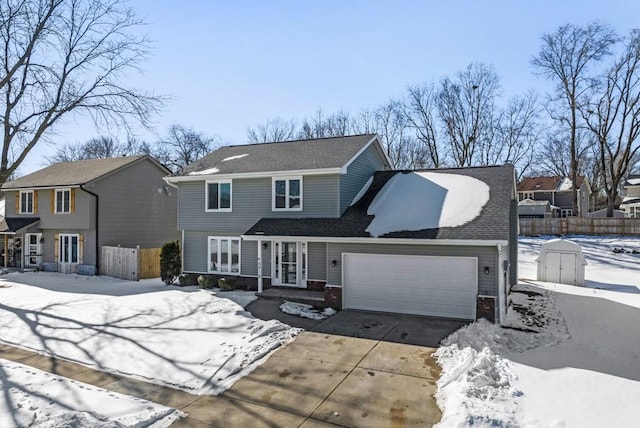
{"x":466,"y":107}
{"x":613,"y":116}
{"x":182,"y":146}
{"x":273,"y":130}
{"x":64,"y":56}
{"x":567,"y":57}
{"x":101,"y":147}
{"x":419,"y":108}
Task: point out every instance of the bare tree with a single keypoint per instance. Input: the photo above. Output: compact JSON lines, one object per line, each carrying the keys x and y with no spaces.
{"x":272,"y":131}
{"x":466,"y":107}
{"x":64,"y":56}
{"x":566,"y":57}
{"x":614,"y":118}
{"x":419,"y":108}
{"x":321,"y":126}
{"x":101,"y":147}
{"x":182,"y":146}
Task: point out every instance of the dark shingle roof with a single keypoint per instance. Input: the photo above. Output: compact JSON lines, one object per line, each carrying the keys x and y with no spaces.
{"x":14,"y":224}
{"x":70,"y":173}
{"x":283,"y":156}
{"x":491,"y":224}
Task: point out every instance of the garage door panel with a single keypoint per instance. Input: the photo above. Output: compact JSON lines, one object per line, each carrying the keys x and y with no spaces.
{"x":424,"y":285}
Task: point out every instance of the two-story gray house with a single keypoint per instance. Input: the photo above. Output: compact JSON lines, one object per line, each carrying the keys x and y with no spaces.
{"x":330,"y":214}
{"x":57,"y":218}
{"x":552,"y":197}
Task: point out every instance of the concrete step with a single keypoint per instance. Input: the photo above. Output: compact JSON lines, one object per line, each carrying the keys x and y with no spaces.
{"x":314,"y":298}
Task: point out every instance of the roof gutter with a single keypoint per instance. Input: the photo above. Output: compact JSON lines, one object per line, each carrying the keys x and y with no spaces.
{"x":97,"y":226}
{"x":371,"y":240}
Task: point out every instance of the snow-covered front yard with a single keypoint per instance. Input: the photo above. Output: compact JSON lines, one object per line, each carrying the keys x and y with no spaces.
{"x":569,"y":357}
{"x":185,"y":338}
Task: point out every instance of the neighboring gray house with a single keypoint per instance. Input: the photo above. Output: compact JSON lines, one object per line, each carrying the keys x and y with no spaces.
{"x":329,"y":214}
{"x":57,"y":218}
{"x":631,"y":200}
{"x":557,"y":191}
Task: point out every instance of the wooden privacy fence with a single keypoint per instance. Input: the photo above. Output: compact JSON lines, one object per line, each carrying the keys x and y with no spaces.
{"x":579,"y":226}
{"x":130,"y":263}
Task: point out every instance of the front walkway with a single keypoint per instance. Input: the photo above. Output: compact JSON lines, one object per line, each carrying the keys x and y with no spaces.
{"x":316,"y":380}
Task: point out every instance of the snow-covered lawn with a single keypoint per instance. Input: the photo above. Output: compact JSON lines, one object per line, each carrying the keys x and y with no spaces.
{"x":185,"y":338}
{"x":571,"y":357}
{"x":32,"y":397}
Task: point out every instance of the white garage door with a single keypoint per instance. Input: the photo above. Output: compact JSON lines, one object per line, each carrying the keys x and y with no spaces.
{"x":423,"y":285}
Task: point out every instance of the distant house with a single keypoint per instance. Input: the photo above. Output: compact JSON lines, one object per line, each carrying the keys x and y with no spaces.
{"x":330,"y":215}
{"x":557,"y":192}
{"x":631,"y":200}
{"x":57,"y":218}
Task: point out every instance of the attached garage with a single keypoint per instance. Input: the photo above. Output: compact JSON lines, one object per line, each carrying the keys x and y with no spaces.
{"x":442,"y":286}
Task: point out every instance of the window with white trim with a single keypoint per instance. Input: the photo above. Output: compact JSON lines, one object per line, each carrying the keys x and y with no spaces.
{"x":224,"y":255}
{"x":26,"y":202}
{"x":218,"y":196}
{"x":634,"y":211}
{"x":287,"y":194}
{"x":566,"y":212}
{"x":69,"y":248}
{"x":527,"y":195}
{"x":63,"y":201}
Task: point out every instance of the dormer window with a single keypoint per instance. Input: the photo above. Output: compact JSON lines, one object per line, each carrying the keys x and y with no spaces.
{"x":26,"y":202}
{"x":287,"y":194}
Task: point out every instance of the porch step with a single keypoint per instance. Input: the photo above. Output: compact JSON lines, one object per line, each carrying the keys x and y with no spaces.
{"x":314,"y":298}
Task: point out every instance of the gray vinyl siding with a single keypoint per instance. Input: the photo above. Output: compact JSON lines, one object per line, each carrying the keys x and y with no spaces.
{"x":136,"y":207}
{"x":88,"y":250}
{"x":195,"y":252}
{"x":358,"y":173}
{"x":249,"y":258}
{"x":487,"y":256}
{"x":513,"y":242}
{"x":81,"y":218}
{"x":251,"y":201}
{"x":317,"y":261}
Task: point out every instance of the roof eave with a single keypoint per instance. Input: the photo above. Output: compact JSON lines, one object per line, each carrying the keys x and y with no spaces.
{"x":258,"y":174}
{"x":465,"y":242}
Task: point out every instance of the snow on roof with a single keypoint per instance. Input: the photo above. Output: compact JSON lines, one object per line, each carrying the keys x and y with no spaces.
{"x":235,"y":157}
{"x":532,"y":202}
{"x":205,"y":171}
{"x":426,"y":200}
{"x":633,"y":181}
{"x":565,"y":184}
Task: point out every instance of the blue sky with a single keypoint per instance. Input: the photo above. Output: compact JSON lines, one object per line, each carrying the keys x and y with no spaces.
{"x":229,"y":65}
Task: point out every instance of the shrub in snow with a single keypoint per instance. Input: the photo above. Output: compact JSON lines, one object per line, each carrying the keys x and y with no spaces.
{"x":227,"y":284}
{"x":170,"y":262}
{"x":207,"y":281}
{"x":188,"y":279}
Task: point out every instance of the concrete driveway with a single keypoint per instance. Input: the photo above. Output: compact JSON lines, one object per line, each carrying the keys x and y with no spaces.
{"x":354,"y":369}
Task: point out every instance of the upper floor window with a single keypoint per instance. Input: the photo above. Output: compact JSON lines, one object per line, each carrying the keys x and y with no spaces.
{"x":218,"y":196}
{"x":287,"y":194}
{"x":566,"y":212}
{"x":63,"y":201}
{"x":26,"y":202}
{"x":526,"y":195}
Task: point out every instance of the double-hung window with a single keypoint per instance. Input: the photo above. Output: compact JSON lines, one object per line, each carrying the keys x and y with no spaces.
{"x":287,"y":194}
{"x":218,"y":197}
{"x":224,"y":255}
{"x":63,"y":201}
{"x":26,"y":202}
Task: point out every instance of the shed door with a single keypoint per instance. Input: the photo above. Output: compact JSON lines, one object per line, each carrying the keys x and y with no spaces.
{"x":422,"y":285}
{"x":561,"y":268}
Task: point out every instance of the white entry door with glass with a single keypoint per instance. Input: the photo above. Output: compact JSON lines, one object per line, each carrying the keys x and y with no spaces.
{"x":289,"y":263}
{"x":68,"y":252}
{"x":33,"y":250}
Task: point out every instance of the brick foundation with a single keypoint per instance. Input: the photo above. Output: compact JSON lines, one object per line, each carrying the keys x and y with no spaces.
{"x":316,"y":285}
{"x":486,"y":308}
{"x":333,"y":297}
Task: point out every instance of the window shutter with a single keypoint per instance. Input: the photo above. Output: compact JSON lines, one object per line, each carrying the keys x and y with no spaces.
{"x":56,"y":247}
{"x":53,"y":202}
{"x":72,"y":202}
{"x":35,"y":202}
{"x":80,"y":248}
{"x":18,"y":202}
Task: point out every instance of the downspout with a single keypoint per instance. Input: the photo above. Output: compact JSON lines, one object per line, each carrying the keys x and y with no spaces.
{"x":97,"y":223}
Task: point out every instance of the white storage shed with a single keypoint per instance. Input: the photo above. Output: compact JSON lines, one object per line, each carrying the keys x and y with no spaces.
{"x":561,"y":261}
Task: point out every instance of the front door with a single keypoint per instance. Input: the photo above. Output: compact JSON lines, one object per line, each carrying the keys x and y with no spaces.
{"x":289,"y":263}
{"x":68,"y":252}
{"x":33,"y":250}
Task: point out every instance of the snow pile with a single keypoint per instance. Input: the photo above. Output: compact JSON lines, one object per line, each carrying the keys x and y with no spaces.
{"x":426,"y":200}
{"x":184,"y":338}
{"x":565,"y":184}
{"x":475,"y":388}
{"x":306,"y":311}
{"x":36,"y":398}
{"x":235,"y":157}
{"x":205,"y":171}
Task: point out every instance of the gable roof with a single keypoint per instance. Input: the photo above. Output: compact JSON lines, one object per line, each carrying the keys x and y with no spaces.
{"x":73,"y":173}
{"x":299,"y":155}
{"x":491,"y":224}
{"x":632,"y":180}
{"x":548,"y":184}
